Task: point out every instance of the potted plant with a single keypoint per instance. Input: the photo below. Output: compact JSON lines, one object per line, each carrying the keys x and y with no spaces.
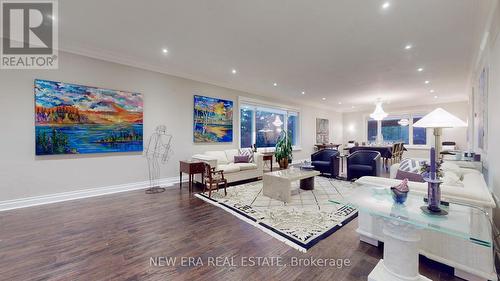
{"x":283,"y":151}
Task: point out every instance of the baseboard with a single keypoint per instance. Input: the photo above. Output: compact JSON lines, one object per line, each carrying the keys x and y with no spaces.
{"x":79,"y":194}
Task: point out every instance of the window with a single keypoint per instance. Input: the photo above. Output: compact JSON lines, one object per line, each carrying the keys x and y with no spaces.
{"x":263,"y":125}
{"x":393,"y":131}
{"x":419,"y":134}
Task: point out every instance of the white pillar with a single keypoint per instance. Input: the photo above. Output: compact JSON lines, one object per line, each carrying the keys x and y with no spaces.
{"x":400,"y":253}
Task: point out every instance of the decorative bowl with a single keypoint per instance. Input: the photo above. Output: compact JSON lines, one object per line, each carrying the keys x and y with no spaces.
{"x":399,"y":196}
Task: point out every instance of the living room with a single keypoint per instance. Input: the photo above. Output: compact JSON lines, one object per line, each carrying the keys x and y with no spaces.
{"x":238,"y":140}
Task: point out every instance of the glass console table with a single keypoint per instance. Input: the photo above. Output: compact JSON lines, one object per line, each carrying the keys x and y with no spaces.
{"x":402,"y":225}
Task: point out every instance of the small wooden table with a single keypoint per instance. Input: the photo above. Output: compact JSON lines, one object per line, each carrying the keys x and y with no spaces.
{"x":192,"y":168}
{"x":268,"y":157}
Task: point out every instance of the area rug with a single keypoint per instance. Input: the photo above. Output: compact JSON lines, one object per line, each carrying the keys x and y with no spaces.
{"x":311,"y":216}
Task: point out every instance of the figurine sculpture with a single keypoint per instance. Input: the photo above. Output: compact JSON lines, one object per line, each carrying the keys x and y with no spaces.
{"x":157,"y":151}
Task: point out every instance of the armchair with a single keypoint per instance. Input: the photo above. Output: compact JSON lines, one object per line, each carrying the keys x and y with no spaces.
{"x":363,"y":163}
{"x":326,"y":161}
{"x":213,"y":177}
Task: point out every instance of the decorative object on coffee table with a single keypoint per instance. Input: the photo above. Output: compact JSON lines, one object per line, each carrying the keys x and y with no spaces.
{"x":433,"y":189}
{"x":400,"y":192}
{"x":283,"y":151}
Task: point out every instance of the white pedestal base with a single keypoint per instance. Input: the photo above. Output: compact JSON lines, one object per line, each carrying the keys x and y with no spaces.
{"x":400,"y":261}
{"x":380,"y":273}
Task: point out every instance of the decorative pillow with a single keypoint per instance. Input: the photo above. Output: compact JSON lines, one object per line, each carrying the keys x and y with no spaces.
{"x":451,"y":178}
{"x":241,"y":159}
{"x":410,"y":165}
{"x":247,"y":151}
{"x":401,"y":175}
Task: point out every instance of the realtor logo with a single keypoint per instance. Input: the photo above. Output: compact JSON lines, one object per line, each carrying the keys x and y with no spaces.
{"x":29,"y":34}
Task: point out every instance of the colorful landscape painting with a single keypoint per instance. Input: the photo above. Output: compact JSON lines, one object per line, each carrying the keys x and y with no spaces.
{"x":213,"y":120}
{"x":75,"y":119}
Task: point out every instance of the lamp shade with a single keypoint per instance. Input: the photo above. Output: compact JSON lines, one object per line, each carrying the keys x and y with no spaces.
{"x":440,"y":118}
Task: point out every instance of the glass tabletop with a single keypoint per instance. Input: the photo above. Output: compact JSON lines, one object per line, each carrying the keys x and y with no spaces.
{"x":462,"y":221}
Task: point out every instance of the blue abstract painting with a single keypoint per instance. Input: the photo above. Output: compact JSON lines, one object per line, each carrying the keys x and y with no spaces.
{"x":75,"y":119}
{"x":213,"y":120}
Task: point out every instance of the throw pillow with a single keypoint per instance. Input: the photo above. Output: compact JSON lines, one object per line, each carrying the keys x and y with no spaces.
{"x":410,"y":165}
{"x":247,"y":151}
{"x":401,"y":175}
{"x":241,"y":159}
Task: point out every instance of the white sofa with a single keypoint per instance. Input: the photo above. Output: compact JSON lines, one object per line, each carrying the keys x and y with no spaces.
{"x":470,"y":261}
{"x":224,"y":160}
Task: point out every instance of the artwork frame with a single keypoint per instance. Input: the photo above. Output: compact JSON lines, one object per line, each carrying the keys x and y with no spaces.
{"x":482,"y":110}
{"x":322,"y":130}
{"x":78,"y":119}
{"x":212,"y":120}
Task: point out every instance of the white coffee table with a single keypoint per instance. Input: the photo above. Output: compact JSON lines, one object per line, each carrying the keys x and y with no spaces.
{"x":278,"y":184}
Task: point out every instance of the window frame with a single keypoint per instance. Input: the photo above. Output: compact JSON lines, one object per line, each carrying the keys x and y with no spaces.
{"x":244,"y":102}
{"x":410,"y":115}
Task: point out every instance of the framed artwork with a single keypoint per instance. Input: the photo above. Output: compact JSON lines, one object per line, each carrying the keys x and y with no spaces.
{"x":322,"y":131}
{"x":482,"y":111}
{"x":213,"y":120}
{"x":76,"y":119}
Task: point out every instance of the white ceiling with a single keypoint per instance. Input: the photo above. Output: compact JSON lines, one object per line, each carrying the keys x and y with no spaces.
{"x":349,"y":51}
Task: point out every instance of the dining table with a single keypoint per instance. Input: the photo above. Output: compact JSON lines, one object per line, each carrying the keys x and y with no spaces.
{"x":385,"y":150}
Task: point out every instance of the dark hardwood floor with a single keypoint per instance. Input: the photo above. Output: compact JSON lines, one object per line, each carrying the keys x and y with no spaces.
{"x":113,"y":237}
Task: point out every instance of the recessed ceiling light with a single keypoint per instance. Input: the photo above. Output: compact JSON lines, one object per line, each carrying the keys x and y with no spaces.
{"x":420,"y":69}
{"x":340,"y":102}
{"x":164,"y":50}
{"x":275,"y":84}
{"x":435,"y":97}
{"x":323,"y":98}
{"x":353,"y":106}
{"x":409,"y":46}
{"x":432,"y":91}
{"x":233,"y":71}
{"x":386,"y":5}
{"x":427,"y":82}
{"x":303,"y":92}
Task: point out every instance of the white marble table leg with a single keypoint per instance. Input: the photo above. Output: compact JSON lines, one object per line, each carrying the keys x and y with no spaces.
{"x":400,"y":253}
{"x":277,"y":188}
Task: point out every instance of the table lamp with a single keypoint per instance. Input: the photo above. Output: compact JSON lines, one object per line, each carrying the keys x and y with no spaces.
{"x":439,"y":119}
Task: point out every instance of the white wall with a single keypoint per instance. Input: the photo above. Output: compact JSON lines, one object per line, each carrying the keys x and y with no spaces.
{"x":355,"y":125}
{"x":167,"y":100}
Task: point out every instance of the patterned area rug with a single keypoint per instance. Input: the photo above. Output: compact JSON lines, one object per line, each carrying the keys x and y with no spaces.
{"x":307,"y":219}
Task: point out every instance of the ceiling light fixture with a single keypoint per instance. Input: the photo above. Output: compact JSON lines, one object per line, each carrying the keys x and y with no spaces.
{"x":340,"y":102}
{"x":275,"y":84}
{"x":379,"y":113}
{"x":323,"y":98}
{"x":431,"y":91}
{"x":404,"y":122}
{"x":427,"y":82}
{"x":409,"y":46}
{"x":233,"y":71}
{"x":420,"y":69}
{"x":164,"y":50}
{"x":303,"y":92}
{"x":386,"y":5}
{"x":435,"y":97}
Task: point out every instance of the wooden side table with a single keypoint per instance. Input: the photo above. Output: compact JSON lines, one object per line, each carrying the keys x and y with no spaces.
{"x":191,"y":168}
{"x":268,"y":157}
